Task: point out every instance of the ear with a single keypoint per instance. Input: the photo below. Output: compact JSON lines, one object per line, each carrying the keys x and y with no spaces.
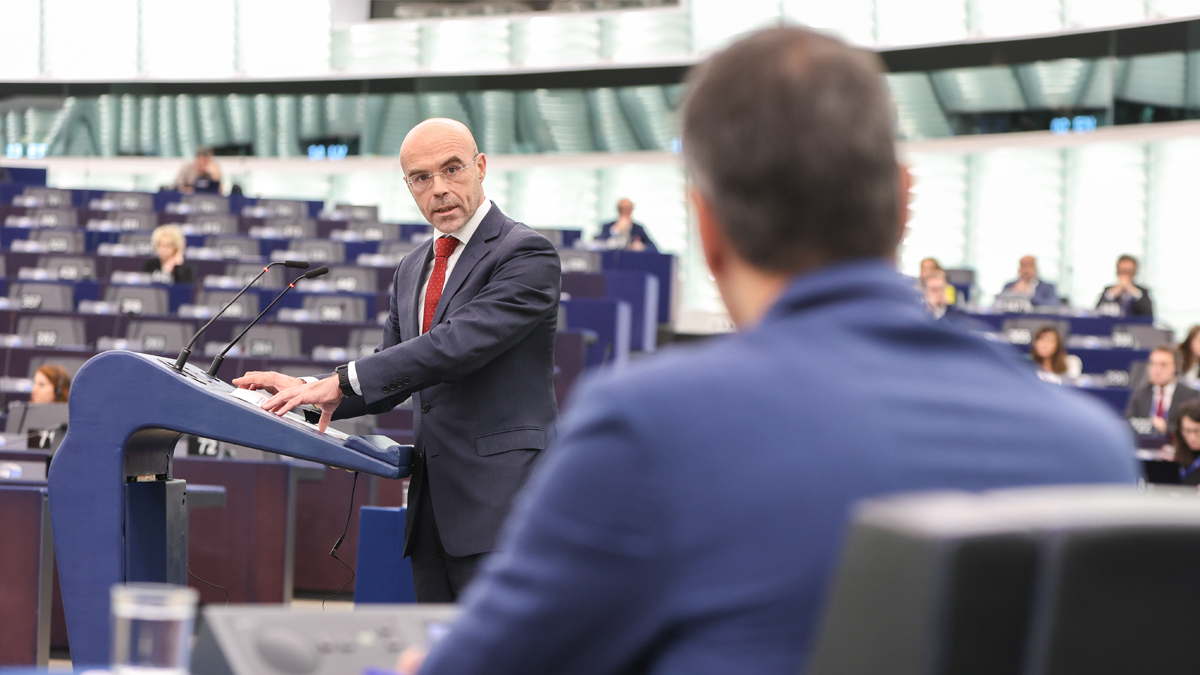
{"x":482,"y":164}
{"x":904,"y":187}
{"x":712,"y":240}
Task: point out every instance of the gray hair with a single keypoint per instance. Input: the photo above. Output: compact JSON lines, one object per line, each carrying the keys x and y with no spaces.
{"x":788,"y":136}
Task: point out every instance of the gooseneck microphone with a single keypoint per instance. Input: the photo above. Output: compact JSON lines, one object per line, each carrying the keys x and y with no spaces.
{"x":216,"y":364}
{"x":187,"y":351}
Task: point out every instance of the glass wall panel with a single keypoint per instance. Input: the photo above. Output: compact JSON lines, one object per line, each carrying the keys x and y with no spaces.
{"x":1105,"y":216}
{"x":88,"y":39}
{"x":937,"y":225}
{"x":275,"y":39}
{"x":22,"y":38}
{"x":183,"y":39}
{"x":1172,"y":237}
{"x":937,"y":21}
{"x":1015,"y":209}
{"x":851,"y":20}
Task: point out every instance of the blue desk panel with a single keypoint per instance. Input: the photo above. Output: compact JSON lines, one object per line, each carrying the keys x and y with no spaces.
{"x":660,"y":265}
{"x":609,"y":318}
{"x":1080,"y":325}
{"x":382,"y":574}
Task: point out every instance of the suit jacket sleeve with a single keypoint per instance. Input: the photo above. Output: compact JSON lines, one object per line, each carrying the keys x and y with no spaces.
{"x":579,"y":582}
{"x":645,"y":237}
{"x":521,"y":293}
{"x":1139,"y":403}
{"x":1143,"y":306}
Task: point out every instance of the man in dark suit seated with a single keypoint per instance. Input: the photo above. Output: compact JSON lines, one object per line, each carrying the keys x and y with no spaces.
{"x":1028,"y":284}
{"x":690,"y":516}
{"x":624,"y":232}
{"x":1132,"y":299}
{"x":1162,"y":395}
{"x":470,"y":336}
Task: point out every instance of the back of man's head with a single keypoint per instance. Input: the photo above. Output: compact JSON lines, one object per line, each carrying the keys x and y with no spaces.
{"x":788,"y":137}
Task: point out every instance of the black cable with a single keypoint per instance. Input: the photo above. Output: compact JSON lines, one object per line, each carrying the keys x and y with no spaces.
{"x":338,"y":543}
{"x":205,"y":581}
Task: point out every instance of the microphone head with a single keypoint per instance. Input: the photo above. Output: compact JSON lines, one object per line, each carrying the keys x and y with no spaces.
{"x":296,"y":264}
{"x":312,"y":274}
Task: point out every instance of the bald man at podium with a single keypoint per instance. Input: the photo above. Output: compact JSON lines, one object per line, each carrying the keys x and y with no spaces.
{"x":470,"y":337}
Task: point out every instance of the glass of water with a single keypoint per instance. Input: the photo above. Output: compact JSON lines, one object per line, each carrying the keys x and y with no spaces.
{"x":152,"y":628}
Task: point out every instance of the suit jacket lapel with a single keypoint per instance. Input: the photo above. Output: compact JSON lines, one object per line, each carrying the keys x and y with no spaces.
{"x":480,"y":245}
{"x":410,"y":285}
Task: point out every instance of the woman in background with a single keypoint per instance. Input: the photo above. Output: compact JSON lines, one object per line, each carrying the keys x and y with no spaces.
{"x":168,"y":245}
{"x":1187,"y":442}
{"x":1049,"y":354}
{"x":51,"y":384}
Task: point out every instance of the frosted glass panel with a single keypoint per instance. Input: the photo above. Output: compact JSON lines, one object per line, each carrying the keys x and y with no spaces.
{"x":556,"y":41}
{"x":937,"y":225}
{"x":998,"y":18}
{"x":646,"y":36}
{"x":1105,"y":216}
{"x":937,"y":21}
{"x":166,"y":26}
{"x":1016,"y":209}
{"x":851,"y":20}
{"x":90,"y":39}
{"x":291,"y":38}
{"x":553,"y":197}
{"x":1090,"y":13}
{"x":1167,"y":9}
{"x":22,"y":40}
{"x":1170,"y":268}
{"x":467,"y":45}
{"x":716,"y":23}
{"x":370,"y":47}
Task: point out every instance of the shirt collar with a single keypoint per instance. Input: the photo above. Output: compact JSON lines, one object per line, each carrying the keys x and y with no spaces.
{"x":860,"y":278}
{"x":1167,"y":390}
{"x":464,"y":233}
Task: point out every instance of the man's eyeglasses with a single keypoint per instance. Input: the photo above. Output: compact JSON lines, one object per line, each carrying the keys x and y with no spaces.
{"x":455,"y":173}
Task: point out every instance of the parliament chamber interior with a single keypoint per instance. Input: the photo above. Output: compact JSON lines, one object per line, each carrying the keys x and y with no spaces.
{"x":196,"y":193}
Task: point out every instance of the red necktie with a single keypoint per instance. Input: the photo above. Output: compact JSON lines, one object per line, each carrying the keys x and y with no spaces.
{"x":1159,"y":412}
{"x":442,"y":248}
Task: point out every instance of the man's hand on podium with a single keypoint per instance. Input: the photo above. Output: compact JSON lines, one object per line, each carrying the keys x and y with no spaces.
{"x":325,"y":394}
{"x":270,"y":382}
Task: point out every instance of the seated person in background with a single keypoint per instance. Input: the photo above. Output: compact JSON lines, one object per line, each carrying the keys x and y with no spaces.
{"x":1189,"y":352}
{"x":1186,"y":442}
{"x":1049,"y":353}
{"x":929,"y":267}
{"x":201,"y":175}
{"x":1027,"y":284}
{"x":624,"y":233}
{"x":51,"y":384}
{"x":168,"y":267}
{"x":799,"y":225}
{"x":1162,"y":395}
{"x":1134,"y":300}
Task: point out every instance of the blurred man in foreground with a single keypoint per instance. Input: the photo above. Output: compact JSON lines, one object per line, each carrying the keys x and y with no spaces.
{"x":690,"y":517}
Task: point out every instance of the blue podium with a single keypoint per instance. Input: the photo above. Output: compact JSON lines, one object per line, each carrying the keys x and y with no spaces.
{"x":118,"y":516}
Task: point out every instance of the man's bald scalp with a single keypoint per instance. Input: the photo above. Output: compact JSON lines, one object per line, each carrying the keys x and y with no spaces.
{"x":443,"y":125}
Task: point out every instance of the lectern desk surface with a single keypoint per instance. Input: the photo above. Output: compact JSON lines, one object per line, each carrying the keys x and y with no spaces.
{"x":110,"y":526}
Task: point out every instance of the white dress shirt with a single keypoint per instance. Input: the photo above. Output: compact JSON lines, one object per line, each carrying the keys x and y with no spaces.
{"x":463,"y":235}
{"x":1166,"y":393}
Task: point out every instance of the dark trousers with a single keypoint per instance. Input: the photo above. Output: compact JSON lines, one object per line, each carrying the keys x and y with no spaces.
{"x":437,"y":575}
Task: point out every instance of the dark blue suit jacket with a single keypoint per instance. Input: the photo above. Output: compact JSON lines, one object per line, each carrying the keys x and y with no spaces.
{"x":636,"y":231}
{"x":690,"y":517}
{"x":1045,"y":295}
{"x":482,"y":378}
